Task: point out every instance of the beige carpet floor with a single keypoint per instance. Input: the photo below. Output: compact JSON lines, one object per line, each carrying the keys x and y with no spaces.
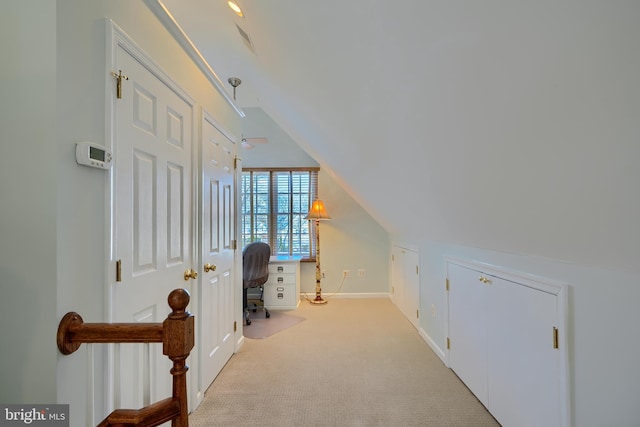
{"x":350,"y":363}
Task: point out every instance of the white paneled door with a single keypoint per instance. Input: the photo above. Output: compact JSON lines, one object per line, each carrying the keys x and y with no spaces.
{"x":468,"y":330}
{"x":411,"y":287}
{"x":217,"y":246}
{"x":505,"y":344}
{"x":406,"y":283}
{"x":523,"y":320}
{"x":397,"y":277}
{"x":152,"y":219}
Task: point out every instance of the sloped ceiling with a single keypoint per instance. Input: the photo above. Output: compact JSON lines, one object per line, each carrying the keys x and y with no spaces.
{"x":505,"y":125}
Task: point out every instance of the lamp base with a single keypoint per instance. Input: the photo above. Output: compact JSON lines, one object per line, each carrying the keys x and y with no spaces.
{"x":318,"y":300}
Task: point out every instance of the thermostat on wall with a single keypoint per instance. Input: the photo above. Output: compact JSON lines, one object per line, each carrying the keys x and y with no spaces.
{"x":94,"y":155}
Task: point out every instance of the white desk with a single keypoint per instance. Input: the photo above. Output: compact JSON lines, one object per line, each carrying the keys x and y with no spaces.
{"x":282,"y":290}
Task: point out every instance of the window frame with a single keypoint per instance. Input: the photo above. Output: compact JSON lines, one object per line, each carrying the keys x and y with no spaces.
{"x":272,"y":211}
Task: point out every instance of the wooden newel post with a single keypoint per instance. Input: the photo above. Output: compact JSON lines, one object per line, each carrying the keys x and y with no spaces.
{"x":177,"y":342}
{"x":176,"y":334}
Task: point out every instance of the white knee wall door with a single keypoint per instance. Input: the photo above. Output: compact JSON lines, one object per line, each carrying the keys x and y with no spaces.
{"x":507,"y":342}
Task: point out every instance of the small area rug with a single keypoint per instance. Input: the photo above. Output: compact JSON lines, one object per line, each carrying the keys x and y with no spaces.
{"x":262,"y":327}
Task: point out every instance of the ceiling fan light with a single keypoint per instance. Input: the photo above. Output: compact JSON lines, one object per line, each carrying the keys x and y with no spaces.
{"x":235,"y":7}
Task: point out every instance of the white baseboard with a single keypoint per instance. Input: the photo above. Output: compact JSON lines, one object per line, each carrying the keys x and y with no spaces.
{"x":198,"y":400}
{"x":342,"y":295}
{"x":432,"y":344}
{"x":239,"y":343}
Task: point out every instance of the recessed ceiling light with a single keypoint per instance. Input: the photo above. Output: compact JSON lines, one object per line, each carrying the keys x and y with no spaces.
{"x":234,"y":6}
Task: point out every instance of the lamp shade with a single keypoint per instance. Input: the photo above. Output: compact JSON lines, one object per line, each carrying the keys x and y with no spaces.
{"x":317,"y":211}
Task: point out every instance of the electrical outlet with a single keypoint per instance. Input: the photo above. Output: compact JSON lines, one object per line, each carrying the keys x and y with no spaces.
{"x":346,"y":273}
{"x":361,"y":272}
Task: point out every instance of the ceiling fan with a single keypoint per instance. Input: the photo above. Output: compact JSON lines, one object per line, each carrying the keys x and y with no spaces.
{"x":248,"y":143}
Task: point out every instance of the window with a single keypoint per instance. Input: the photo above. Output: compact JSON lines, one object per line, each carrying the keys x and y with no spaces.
{"x":274,"y":204}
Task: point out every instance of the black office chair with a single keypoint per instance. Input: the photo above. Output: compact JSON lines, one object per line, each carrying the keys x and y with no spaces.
{"x":255,"y":272}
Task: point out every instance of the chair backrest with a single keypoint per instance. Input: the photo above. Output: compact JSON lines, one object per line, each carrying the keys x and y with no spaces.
{"x":255,"y":264}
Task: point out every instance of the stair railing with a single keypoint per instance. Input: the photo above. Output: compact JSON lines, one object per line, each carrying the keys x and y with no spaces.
{"x":176,"y":334}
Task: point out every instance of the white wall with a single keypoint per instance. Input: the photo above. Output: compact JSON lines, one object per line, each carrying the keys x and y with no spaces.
{"x":352,"y":240}
{"x":511,"y":126}
{"x":28,"y":229}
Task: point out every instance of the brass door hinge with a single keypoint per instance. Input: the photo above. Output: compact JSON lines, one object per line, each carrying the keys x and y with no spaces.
{"x":447,"y":283}
{"x":234,"y":244}
{"x":556,"y":341}
{"x":235,"y":326}
{"x":236,"y":162}
{"x":119,"y":270}
{"x":417,"y":270}
{"x":119,"y":78}
{"x":448,"y":343}
{"x":417,"y":314}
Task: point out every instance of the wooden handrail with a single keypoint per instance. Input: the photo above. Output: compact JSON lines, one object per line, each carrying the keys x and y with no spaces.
{"x":152,"y":415}
{"x":176,"y":334}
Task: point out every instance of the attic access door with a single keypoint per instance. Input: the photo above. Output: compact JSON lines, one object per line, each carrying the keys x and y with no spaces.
{"x":508,"y":342}
{"x":406,"y":283}
{"x":152,"y":217}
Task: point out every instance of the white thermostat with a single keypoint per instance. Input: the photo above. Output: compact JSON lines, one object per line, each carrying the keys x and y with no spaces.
{"x":94,"y":155}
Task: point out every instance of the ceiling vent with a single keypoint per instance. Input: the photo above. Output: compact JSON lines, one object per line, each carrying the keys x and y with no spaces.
{"x":246,"y":38}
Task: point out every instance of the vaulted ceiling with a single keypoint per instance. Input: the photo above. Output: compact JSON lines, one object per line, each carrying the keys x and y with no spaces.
{"x":482,"y":123}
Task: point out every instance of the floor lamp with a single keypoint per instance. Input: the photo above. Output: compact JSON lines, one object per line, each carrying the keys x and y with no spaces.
{"x":318,"y":213}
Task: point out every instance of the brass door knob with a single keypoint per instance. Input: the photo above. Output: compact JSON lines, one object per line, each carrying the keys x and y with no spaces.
{"x":190,"y":274}
{"x":209,"y":267}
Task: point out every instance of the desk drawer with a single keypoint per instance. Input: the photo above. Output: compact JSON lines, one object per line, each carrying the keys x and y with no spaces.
{"x":282,"y":279}
{"x":280,"y":295}
{"x":285,"y":268}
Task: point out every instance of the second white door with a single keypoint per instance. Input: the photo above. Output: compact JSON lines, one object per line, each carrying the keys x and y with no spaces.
{"x":218,"y":250}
